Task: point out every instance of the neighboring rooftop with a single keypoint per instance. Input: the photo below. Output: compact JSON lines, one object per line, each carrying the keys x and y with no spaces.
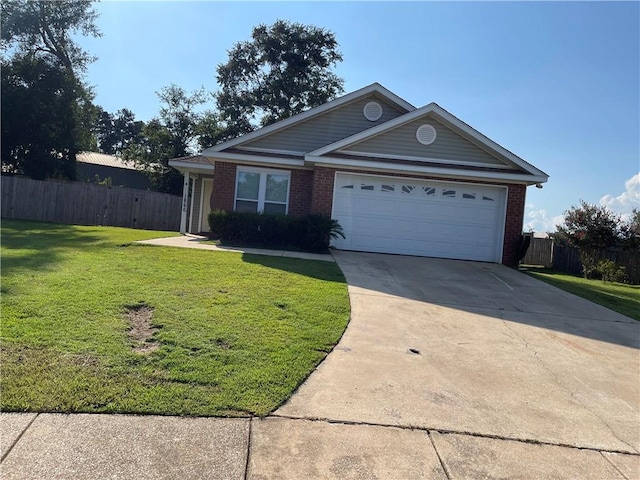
{"x":96,"y":158}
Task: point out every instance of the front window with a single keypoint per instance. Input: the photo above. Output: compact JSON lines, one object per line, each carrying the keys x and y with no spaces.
{"x":262,"y":191}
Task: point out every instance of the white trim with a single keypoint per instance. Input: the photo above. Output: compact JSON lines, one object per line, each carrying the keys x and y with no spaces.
{"x":259,"y":159}
{"x":421,"y":159}
{"x":272,"y":150}
{"x":350,"y":97}
{"x":425,"y":170}
{"x":202,"y":201}
{"x":191,"y":166}
{"x":184,"y":204}
{"x":503,"y":208}
{"x":193,"y":191}
{"x":446,"y":117}
{"x":262,"y":188}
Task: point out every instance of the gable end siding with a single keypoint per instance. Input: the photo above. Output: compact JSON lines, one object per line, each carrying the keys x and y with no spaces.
{"x":448,"y":144}
{"x":326,"y":128}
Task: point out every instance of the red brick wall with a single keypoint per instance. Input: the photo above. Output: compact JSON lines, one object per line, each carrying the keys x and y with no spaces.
{"x":513,"y":224}
{"x":322,"y":197}
{"x":312,"y":192}
{"x":224,"y":186}
{"x":300,"y":192}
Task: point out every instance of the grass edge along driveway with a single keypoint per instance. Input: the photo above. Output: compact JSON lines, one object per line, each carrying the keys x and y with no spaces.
{"x":227,"y":334}
{"x":619,"y":297}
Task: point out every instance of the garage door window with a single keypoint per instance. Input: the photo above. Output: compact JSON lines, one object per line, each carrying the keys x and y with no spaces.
{"x":262,"y":191}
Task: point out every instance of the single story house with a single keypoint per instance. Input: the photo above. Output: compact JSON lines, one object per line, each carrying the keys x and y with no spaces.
{"x":96,"y":167}
{"x":399,"y":179}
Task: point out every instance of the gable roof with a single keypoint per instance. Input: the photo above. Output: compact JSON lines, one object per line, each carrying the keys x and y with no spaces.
{"x":448,"y":120}
{"x":314,"y":112}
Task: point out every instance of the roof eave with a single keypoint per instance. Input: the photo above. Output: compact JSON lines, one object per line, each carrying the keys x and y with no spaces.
{"x":501,"y":177}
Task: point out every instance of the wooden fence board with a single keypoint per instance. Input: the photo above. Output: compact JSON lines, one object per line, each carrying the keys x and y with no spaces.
{"x":88,"y":204}
{"x":543,"y":251}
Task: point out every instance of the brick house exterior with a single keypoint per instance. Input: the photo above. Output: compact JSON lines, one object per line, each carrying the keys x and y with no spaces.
{"x":403,"y":180}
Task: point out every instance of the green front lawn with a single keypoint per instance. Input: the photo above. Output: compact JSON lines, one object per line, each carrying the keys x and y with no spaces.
{"x":619,"y":297}
{"x":235,"y":334}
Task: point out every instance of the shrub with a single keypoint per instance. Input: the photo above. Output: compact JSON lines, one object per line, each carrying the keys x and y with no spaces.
{"x":590,"y":229}
{"x":610,"y":271}
{"x":312,"y":233}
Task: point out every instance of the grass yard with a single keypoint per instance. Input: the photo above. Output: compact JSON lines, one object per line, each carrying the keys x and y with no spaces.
{"x":619,"y":297}
{"x":230,"y":334}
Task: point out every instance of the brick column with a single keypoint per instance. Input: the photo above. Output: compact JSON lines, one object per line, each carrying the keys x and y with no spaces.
{"x":224,"y":186}
{"x":322,"y":197}
{"x":513,"y":223}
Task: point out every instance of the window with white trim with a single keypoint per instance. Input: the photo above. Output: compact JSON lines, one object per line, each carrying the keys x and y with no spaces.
{"x":261,"y":190}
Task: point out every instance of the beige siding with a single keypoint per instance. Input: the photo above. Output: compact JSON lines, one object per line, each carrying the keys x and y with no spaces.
{"x":327,"y":128}
{"x":448,"y":144}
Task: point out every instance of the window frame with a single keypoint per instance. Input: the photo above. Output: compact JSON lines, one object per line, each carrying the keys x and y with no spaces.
{"x":262,"y":186}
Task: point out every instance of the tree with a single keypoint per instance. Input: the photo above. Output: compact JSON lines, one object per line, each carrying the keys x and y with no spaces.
{"x":591,"y":229}
{"x":630,"y":231}
{"x":37,"y":44}
{"x":283,"y":70}
{"x":170,"y":135}
{"x":115,"y":132}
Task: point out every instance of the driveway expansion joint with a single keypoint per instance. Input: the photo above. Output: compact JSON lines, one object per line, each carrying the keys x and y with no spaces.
{"x":15,"y":442}
{"x":614,"y":466}
{"x":445,"y":431}
{"x":246,"y":465}
{"x":442,"y":464}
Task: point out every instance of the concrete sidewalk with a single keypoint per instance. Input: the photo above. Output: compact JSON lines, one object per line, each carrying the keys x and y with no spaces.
{"x":197,"y":242}
{"x":83,"y":446}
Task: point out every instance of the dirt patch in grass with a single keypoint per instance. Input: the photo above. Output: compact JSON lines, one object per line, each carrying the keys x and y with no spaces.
{"x":141,"y":330}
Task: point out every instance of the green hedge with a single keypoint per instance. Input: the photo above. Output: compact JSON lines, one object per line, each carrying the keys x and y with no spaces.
{"x":308,"y":234}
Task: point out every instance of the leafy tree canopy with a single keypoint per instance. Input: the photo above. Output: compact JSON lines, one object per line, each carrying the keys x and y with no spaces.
{"x":44,"y":28}
{"x":47,"y":111}
{"x":173,"y":133}
{"x":283,"y":70}
{"x":116,"y":131}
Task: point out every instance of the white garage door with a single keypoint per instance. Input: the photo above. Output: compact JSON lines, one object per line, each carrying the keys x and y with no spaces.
{"x":418,"y":217}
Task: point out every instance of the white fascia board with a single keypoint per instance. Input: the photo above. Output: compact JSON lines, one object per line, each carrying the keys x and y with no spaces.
{"x":187,"y":165}
{"x":444,"y":115}
{"x":300,"y":117}
{"x":184,"y":167}
{"x":426,"y":170}
{"x":291,"y":162}
{"x":386,"y":156}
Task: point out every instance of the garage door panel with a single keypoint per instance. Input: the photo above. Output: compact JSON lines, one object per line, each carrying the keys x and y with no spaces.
{"x":418,"y":217}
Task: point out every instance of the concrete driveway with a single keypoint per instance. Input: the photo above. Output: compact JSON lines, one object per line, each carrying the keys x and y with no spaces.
{"x":489,"y":362}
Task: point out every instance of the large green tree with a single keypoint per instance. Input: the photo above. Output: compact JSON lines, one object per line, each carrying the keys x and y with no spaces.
{"x":42,"y":72}
{"x":173,"y":133}
{"x":284,"y":69}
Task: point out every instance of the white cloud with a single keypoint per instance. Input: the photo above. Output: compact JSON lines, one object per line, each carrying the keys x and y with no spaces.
{"x":627,"y":200}
{"x":539,"y":220}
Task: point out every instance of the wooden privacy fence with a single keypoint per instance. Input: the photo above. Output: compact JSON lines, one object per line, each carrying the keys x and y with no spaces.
{"x":545,"y":252}
{"x":80,"y":203}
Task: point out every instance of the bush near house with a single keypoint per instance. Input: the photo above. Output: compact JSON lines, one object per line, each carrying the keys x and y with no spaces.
{"x":311,"y":233}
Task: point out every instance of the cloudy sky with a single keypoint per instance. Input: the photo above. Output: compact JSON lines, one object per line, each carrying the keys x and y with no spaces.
{"x":555,"y":83}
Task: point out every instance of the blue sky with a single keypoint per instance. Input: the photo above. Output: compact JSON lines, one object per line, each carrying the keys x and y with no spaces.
{"x":556,"y":83}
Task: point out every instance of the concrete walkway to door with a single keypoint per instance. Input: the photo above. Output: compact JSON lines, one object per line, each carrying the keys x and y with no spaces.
{"x":507,"y":376}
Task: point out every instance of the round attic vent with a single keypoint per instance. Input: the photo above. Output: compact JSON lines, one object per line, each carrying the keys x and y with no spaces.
{"x":426,"y":134}
{"x":372,"y":111}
